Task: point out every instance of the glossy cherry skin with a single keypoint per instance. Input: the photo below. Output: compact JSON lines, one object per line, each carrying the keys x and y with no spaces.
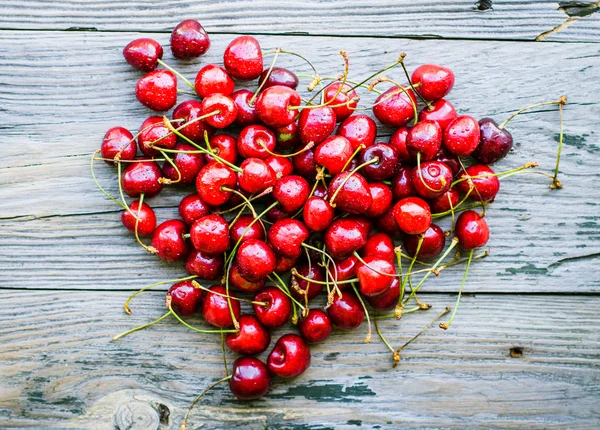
{"x":215,"y":308}
{"x":246,"y":111}
{"x":344,"y":236}
{"x":192,"y":208}
{"x":244,"y":229}
{"x":272,"y":105}
{"x":386,"y":166}
{"x":255,"y":260}
{"x":253,"y":140}
{"x":344,"y":269}
{"x":379,"y":245}
{"x":168,"y":240}
{"x":238,"y":282}
{"x":278,"y":309}
{"x":448,"y":159}
{"x":472,"y":230}
{"x":386,"y":223}
{"x":256,"y":176}
{"x":354,"y":195}
{"x":186,"y":300}
{"x":346,"y":312}
{"x":433,"y":243}
{"x":312,"y":289}
{"x":432,"y":180}
{"x":143,"y":216}
{"x":315,"y":125}
{"x":494,"y":142}
{"x":412,"y":215}
{"x":212,"y":79}
{"x":286,"y":236}
{"x":317,"y":214}
{"x":284,"y":264}
{"x":189,"y":164}
{"x":143,"y":54}
{"x":225,"y":146}
{"x":252,"y":338}
{"x":243,"y":58}
{"x":359,"y":130}
{"x":424,"y":138}
{"x":334,"y":153}
{"x":204,"y":266}
{"x":118,"y":142}
{"x":381,"y":196}
{"x":441,"y":112}
{"x":278,"y":76}
{"x":334,"y":97}
{"x":436,"y":81}
{"x":249,"y":378}
{"x":445,"y":202}
{"x":290,"y":356}
{"x":210,"y":234}
{"x":402,"y":184}
{"x":291,"y":192}
{"x":305,"y":164}
{"x":224,"y":105}
{"x":486,"y":185}
{"x":154,"y":135}
{"x":461,"y":137}
{"x":287,"y":137}
{"x":398,"y":142}
{"x":387,"y":300}
{"x":315,"y":327}
{"x":395,"y":107}
{"x":277,"y":213}
{"x":141,"y":178}
{"x":282,"y":166}
{"x":373,"y":283}
{"x":157,"y":90}
{"x":188,"y":111}
{"x":189,"y":40}
{"x":210,"y":181}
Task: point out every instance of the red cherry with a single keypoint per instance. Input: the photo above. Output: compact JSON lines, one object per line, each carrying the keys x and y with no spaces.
{"x":424,"y":138}
{"x":379,"y":245}
{"x":282,"y":166}
{"x":204,"y":266}
{"x":118,"y":141}
{"x":445,"y":202}
{"x":284,"y":264}
{"x":371,"y":282}
{"x":249,"y":378}
{"x":290,"y":356}
{"x":272,"y":106}
{"x":472,"y":230}
{"x":215,"y":308}
{"x":344,"y":236}
{"x":398,"y":142}
{"x":386,"y":223}
{"x":433,"y":243}
{"x":192,"y":208}
{"x":210,"y":181}
{"x":333,"y":97}
{"x":168,"y":240}
{"x":412,"y":215}
{"x":157,"y":90}
{"x":278,"y":76}
{"x":141,"y":178}
{"x":381,"y":196}
{"x":305,"y":164}
{"x":189,"y":40}
{"x":312,"y":289}
{"x":359,"y":130}
{"x":189,"y":164}
{"x":315,"y":125}
{"x":252,"y":338}
{"x":394,"y":107}
{"x":143,"y":54}
{"x":334,"y":153}
{"x":486,"y":184}
{"x":354,"y":196}
{"x":345,"y":270}
{"x":246,"y":112}
{"x":253,"y":140}
{"x":190,"y":110}
{"x":317,"y":214}
{"x":346,"y":312}
{"x":277,"y":310}
{"x":494,"y":142}
{"x":225,"y":146}
{"x":255,"y":260}
{"x":286,"y":236}
{"x":441,"y":112}
{"x":154,"y":135}
{"x":387,"y":161}
{"x":315,"y":327}
{"x":210,"y":234}
{"x":287,"y":137}
{"x":242,"y":228}
{"x":291,"y":192}
{"x":243,"y":58}
{"x":432,"y":180}
{"x":387,"y":300}
{"x":461,"y":137}
{"x":435,"y":81}
{"x":224,"y":105}
{"x":448,"y":159}
{"x":185,"y":299}
{"x":277,"y":213}
{"x":213,"y":79}
{"x":238,"y":282}
{"x":256,"y":176}
{"x":144,"y":217}
{"x":402,"y":184}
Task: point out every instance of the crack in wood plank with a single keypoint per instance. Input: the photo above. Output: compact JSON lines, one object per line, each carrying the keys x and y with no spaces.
{"x":575,"y":11}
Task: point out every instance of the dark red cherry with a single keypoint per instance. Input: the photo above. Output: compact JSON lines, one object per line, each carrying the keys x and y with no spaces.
{"x":255,"y":260}
{"x":143,"y":216}
{"x":387,"y":161}
{"x":371,"y":278}
{"x":243,"y":58}
{"x":486,"y":183}
{"x":412,"y":215}
{"x":334,"y":153}
{"x":253,"y":140}
{"x":445,"y":202}
{"x":215,"y":308}
{"x":277,"y":309}
{"x":424,"y":138}
{"x":494,"y":142}
{"x":315,"y":125}
{"x":168,"y":240}
{"x":189,"y":164}
{"x":213,"y":79}
{"x":249,"y":379}
{"x":344,"y":236}
{"x":402,"y":185}
{"x":291,"y":192}
{"x":436,"y":81}
{"x":387,"y":300}
{"x":204,"y":266}
{"x":226,"y":108}
{"x":238,"y":282}
{"x":448,"y":159}
{"x":433,"y":243}
{"x":346,"y":312}
{"x":157,"y":90}
{"x":317,"y":214}
{"x":284,"y":264}
{"x":386,"y":223}
{"x":225,"y":146}
{"x":312,"y":289}
{"x":185,"y":298}
{"x":472,"y":230}
{"x":278,"y":76}
{"x":345,"y":269}
{"x":282,"y":166}
{"x":210,"y":234}
{"x":441,"y":112}
{"x":189,"y":40}
{"x":395,"y":107}
{"x":398,"y":142}
{"x":461,"y":137}
{"x":305,"y":164}
{"x":256,"y":176}
{"x":277,"y":213}
{"x":335,"y":98}
{"x":287,"y":137}
{"x":286,"y":236}
{"x":154,"y":135}
{"x":381,"y":196}
{"x":118,"y":143}
{"x":315,"y":327}
{"x":192,"y":208}
{"x":252,"y":338}
{"x":141,"y":178}
{"x":359,"y":130}
{"x":246,"y":111}
{"x":290,"y":356}
{"x":143,"y":54}
{"x":379,"y":245}
{"x":210,"y":181}
{"x":244,"y":228}
{"x":188,"y":111}
{"x":320,"y":191}
{"x":354,"y":195}
{"x":272,"y":106}
{"x":432,"y":180}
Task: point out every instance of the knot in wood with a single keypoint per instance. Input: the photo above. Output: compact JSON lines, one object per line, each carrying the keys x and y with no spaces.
{"x":137,"y":415}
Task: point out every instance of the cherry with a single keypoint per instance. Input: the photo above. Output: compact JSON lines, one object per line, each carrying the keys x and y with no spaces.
{"x":402,"y":184}
{"x":238,"y":282}
{"x":371,"y":278}
{"x":386,"y":223}
{"x":387,"y":164}
{"x":398,"y":142}
{"x":494,"y":142}
{"x":315,"y":327}
{"x":381,"y":196}
{"x":251,"y":339}
{"x":424,"y":138}
{"x":359,"y":130}
{"x":272,"y":106}
{"x":312,"y":289}
{"x":334,"y":153}
{"x":441,"y":111}
{"x":215,"y":308}
{"x":255,"y":141}
{"x":352,"y":193}
{"x":448,"y":159}
{"x":346,"y":312}
{"x":291,"y":192}
{"x":286,"y":236}
{"x":204,"y":266}
{"x":461,"y":137}
{"x":255,"y":260}
{"x":225,"y":146}
{"x":345,"y":270}
{"x":256,"y":176}
{"x":472,"y":230}
{"x":395,"y":107}
{"x":412,"y":215}
{"x":315,"y":125}
{"x":243,"y":229}
{"x":282,"y":166}
{"x":432,"y":244}
{"x":168,"y":240}
{"x":290,"y":356}
{"x":317,"y":214}
{"x":143,"y":54}
{"x":143,"y":216}
{"x":118,"y":143}
{"x":211,"y":180}
{"x":278,"y":76}
{"x":287,"y":137}
{"x":185,"y":298}
{"x":305,"y":164}
{"x":192,"y":208}
{"x":189,"y":40}
{"x":277,"y":213}
{"x":387,"y":300}
{"x":445,"y":202}
{"x":277,"y":309}
{"x":435,"y":81}
{"x":321,"y":191}
{"x":243,"y":58}
{"x":486,"y":185}
{"x":379,"y":245}
{"x":246,"y":112}
{"x":249,"y":379}
{"x":210,"y":234}
{"x":344,"y":236}
{"x":226,"y":108}
{"x":333,"y":97}
{"x":142,"y":177}
{"x":157,"y":90}
{"x":153,"y":129}
{"x":284,"y":264}
{"x":190,"y":110}
{"x":363,"y":223}
{"x":188,"y":163}
{"x":432,"y":179}
{"x":212,"y":79}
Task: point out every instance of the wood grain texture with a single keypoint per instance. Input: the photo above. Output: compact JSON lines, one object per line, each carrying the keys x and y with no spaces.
{"x":59,"y":369}
{"x":58,"y":231}
{"x":586,"y":28}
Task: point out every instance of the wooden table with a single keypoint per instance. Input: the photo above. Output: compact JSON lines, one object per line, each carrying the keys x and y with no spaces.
{"x":524,"y":350}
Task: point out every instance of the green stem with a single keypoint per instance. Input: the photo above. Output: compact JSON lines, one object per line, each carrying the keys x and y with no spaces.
{"x":183,"y":78}
{"x":464,"y":280}
{"x":141,"y":327}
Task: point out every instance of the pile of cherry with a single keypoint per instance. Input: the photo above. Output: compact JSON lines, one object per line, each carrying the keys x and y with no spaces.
{"x":331,"y":205}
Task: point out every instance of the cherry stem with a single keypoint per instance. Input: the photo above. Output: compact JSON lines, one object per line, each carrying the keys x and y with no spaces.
{"x":137,"y":221}
{"x":325,"y":255}
{"x":223,"y":353}
{"x":172,"y":281}
{"x":200,"y":287}
{"x":192,"y":327}
{"x":166,"y":66}
{"x":385,"y":69}
{"x":136,"y":160}
{"x":262,"y":84}
{"x":308,"y":147}
{"x":243,"y":205}
{"x":400,"y":305}
{"x":312,"y":191}
{"x":210,"y":387}
{"x":472,"y":186}
{"x":390,"y":316}
{"x":141,"y":327}
{"x":368,"y":338}
{"x":187,"y":93}
{"x":344,"y":76}
{"x":168,"y":124}
{"x":401,"y":89}
{"x":561,"y":101}
{"x":395,"y":356}
{"x":444,"y":312}
{"x":281,"y":285}
{"x":348,"y":81}
{"x":454,"y":209}
{"x":464,"y":280}
{"x":443,"y":180}
{"x":398,"y":252}
{"x":354,"y":154}
{"x":555,"y":182}
{"x":316,"y":79}
{"x":98,"y":183}
{"x":413,"y":87}
{"x":168,"y":181}
{"x":360,"y":166}
{"x":359,"y":258}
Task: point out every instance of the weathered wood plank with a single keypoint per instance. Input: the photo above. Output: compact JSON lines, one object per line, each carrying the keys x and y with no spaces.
{"x":586,"y":28}
{"x":52,"y":211}
{"x":58,"y":368}
{"x":508,"y":19}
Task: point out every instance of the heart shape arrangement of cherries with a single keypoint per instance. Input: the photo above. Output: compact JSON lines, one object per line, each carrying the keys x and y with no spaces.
{"x":285,"y":210}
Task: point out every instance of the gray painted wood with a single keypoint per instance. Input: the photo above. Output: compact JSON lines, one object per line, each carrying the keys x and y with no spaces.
{"x":58,"y":368}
